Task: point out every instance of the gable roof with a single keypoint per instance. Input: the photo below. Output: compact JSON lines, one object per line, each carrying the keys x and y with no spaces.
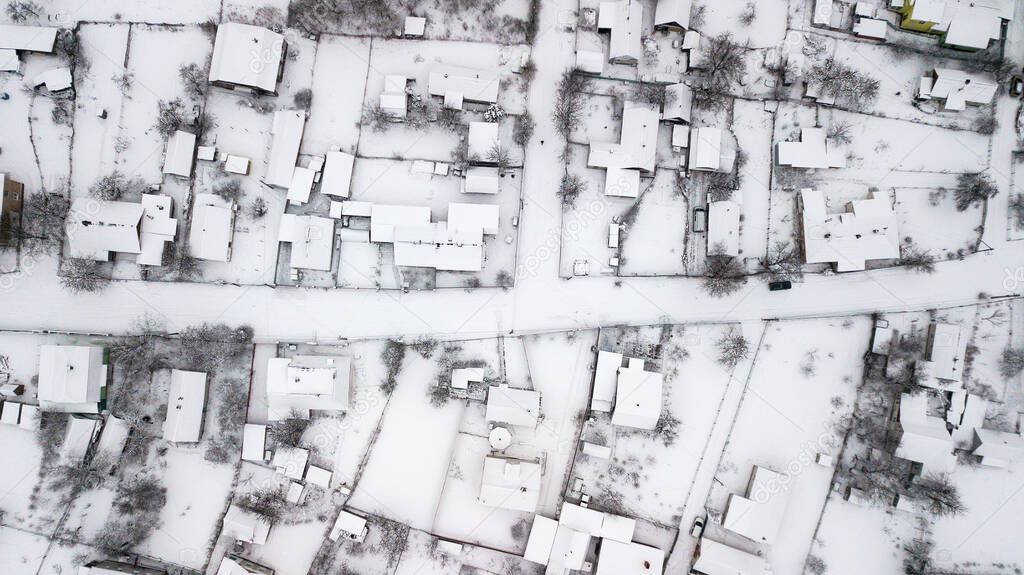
{"x":181,"y":149}
{"x":673,"y":13}
{"x":311,"y":239}
{"x":97,"y":227}
{"x":307,"y":382}
{"x":212,"y":228}
{"x":284,"y":147}
{"x":29,"y":38}
{"x":71,"y":377}
{"x":510,"y":483}
{"x":513,"y":406}
{"x":245,"y":55}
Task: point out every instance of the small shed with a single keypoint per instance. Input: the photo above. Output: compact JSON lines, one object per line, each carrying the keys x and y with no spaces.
{"x":185,"y":406}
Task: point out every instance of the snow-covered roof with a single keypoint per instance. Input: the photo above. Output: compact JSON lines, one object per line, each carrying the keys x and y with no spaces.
{"x":463,"y":376}
{"x":866,"y":230}
{"x":301,"y":185}
{"x":243,"y":525}
{"x":871,"y":28}
{"x":284,"y":148}
{"x":513,"y":406}
{"x":678,"y":103}
{"x":542,"y":539}
{"x":307,"y":382}
{"x":385,"y":218}
{"x":711,"y":149}
{"x":719,"y":559}
{"x":55,"y":79}
{"x":569,"y":551}
{"x":483,"y":136}
{"x":673,"y":14}
{"x":638,"y":396}
{"x":445,"y":257}
{"x":337,"y":177}
{"x":9,"y":61}
{"x":758,"y":515}
{"x":157,"y":228}
{"x":213,"y":220}
{"x":229,"y":566}
{"x":311,"y":239}
{"x":467,"y":220}
{"x":254,"y":441}
{"x":352,"y":526}
{"x":617,"y":527}
{"x":812,"y":151}
{"x":925,"y":438}
{"x":247,"y":56}
{"x":946,"y":351}
{"x":724,"y":228}
{"x":30,"y":38}
{"x":621,"y":182}
{"x":290,"y":461}
{"x":71,"y":378}
{"x":472,"y":85}
{"x":415,"y":26}
{"x":590,"y":61}
{"x":481,"y":180}
{"x":624,"y":20}
{"x":619,"y":558}
{"x":606,"y":375}
{"x":510,"y":484}
{"x":97,"y":227}
{"x":186,"y":400}
{"x":78,"y":436}
{"x":959,"y":88}
{"x":998,"y":448}
{"x":638,"y":142}
{"x":971,"y":24}
{"x":181,"y":150}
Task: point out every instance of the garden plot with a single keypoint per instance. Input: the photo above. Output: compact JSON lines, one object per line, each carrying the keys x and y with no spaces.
{"x":339,"y":78}
{"x":16,"y":137}
{"x":761,"y":23}
{"x":752,"y":126}
{"x":991,"y":331}
{"x":694,"y":386}
{"x":930,"y":219}
{"x":21,"y":551}
{"x":52,"y":117}
{"x":1015,"y":224}
{"x":654,"y":236}
{"x":803,"y":383}
{"x":67,"y":12}
{"x":877,"y":547}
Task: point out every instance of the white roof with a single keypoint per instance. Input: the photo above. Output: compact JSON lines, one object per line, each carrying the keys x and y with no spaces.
{"x":868,"y":230}
{"x":337,"y":178}
{"x":606,"y":374}
{"x":319,"y":476}
{"x":463,"y":376}
{"x":415,"y":26}
{"x":10,"y":413}
{"x":307,"y":382}
{"x":959,"y":88}
{"x":812,"y":151}
{"x":582,"y":519}
{"x":312,"y":241}
{"x":513,"y":406}
{"x":157,"y":228}
{"x":186,"y":400}
{"x":290,"y":461}
{"x":71,"y":378}
{"x":758,"y":515}
{"x":254,"y":442}
{"x":678,"y":101}
{"x":542,"y":538}
{"x":483,"y":136}
{"x":638,"y":396}
{"x":9,"y":61}
{"x":569,"y":551}
{"x":618,"y":528}
{"x":229,"y":566}
{"x":724,"y":228}
{"x":625,"y":558}
{"x":622,"y":182}
{"x":245,"y":55}
{"x":445,"y":257}
{"x":971,"y":24}
{"x":482,"y":180}
{"x":97,"y":227}
{"x":55,"y":79}
{"x":181,"y":149}
{"x":301,"y":185}
{"x":348,"y":524}
{"x":1001,"y":445}
{"x":718,"y":559}
{"x":244,"y":525}
{"x":30,"y":38}
{"x":78,"y":437}
{"x":705,"y":151}
{"x":464,"y":220}
{"x":638,"y":142}
{"x":673,"y":13}
{"x":510,"y":484}
{"x":472,"y":85}
{"x":924,"y":438}
{"x":395,"y":103}
{"x":871,"y":28}
{"x":385,"y":218}
{"x":284,"y":148}
{"x":590,"y":61}
{"x":213,"y":221}
{"x":945,"y":351}
{"x":624,"y":19}
{"x":236,"y":164}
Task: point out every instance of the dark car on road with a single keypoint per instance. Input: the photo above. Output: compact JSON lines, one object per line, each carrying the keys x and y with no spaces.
{"x":779,"y":285}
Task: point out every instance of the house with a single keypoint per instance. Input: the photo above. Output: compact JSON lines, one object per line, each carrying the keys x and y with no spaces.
{"x":924,"y":438}
{"x":243,"y":525}
{"x":481,"y":180}
{"x":956,"y":89}
{"x":248,"y":58}
{"x":350,"y":526}
{"x":672,"y":15}
{"x":254,"y":442}
{"x":394,"y":100}
{"x":997,"y":448}
{"x":9,"y":61}
{"x":455,"y":245}
{"x":304,"y":383}
{"x":945,"y":350}
{"x":463,"y":376}
{"x":213,"y":225}
{"x":711,"y":150}
{"x":811,"y":152}
{"x":186,"y":402}
{"x":483,"y":138}
{"x":638,"y":396}
{"x":866,"y":230}
{"x":97,"y":228}
{"x":72,"y":378}
{"x":55,"y":79}
{"x":962,"y":24}
{"x":156,"y":230}
{"x":678,"y":103}
{"x":414,"y":27}
{"x":79,"y":434}
{"x":513,"y":406}
{"x":541,"y":540}
{"x":284,"y":147}
{"x":758,"y":514}
{"x":568,"y":551}
{"x":510,"y":484}
{"x":871,"y":28}
{"x":623,"y":19}
{"x":181,"y":151}
{"x":627,"y":558}
{"x":457,"y":85}
{"x":590,"y":61}
{"x":311,"y":239}
{"x":27,"y":38}
{"x":301,"y":185}
{"x":13,"y":193}
{"x":290,"y":462}
{"x":715,"y":558}
{"x":635,"y":151}
{"x":337,"y":176}
{"x":107,"y":567}
{"x":724,"y":228}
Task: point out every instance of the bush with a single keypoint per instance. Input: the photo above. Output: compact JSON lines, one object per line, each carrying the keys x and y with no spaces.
{"x":230,"y":190}
{"x":208,"y":346}
{"x":114,"y":187}
{"x":1011,"y":363}
{"x":393,"y":355}
{"x":972,"y":189}
{"x":733,"y":348}
{"x":193,"y":80}
{"x":22,"y":11}
{"x":258,"y":208}
{"x":570,"y":188}
{"x":289,"y":431}
{"x":523,"y":128}
{"x":377,"y":119}
{"x":723,"y":276}
{"x":303,"y":99}
{"x":41,"y":228}
{"x":170,"y":117}
{"x":83,"y":276}
{"x":845,"y":84}
{"x":449,"y":119}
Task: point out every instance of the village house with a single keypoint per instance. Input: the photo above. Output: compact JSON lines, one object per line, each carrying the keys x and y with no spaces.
{"x":79,"y":436}
{"x":714,"y":558}
{"x":757,"y":515}
{"x":300,"y":384}
{"x":181,"y":151}
{"x":186,"y":403}
{"x":510,"y":484}
{"x":866,"y":230}
{"x":254,"y":442}
{"x":811,"y":152}
{"x":98,"y":228}
{"x":286,"y":133}
{"x":513,"y":406}
{"x":678,"y":105}
{"x":337,"y":176}
{"x":72,"y":378}
{"x":243,"y":525}
{"x":15,"y":38}
{"x":962,"y":24}
{"x":945,"y":351}
{"x":638,"y":396}
{"x":956,"y":89}
{"x":711,"y":150}
{"x":457,"y":85}
{"x":311,"y":239}
{"x":13,"y":193}
{"x":672,"y":15}
{"x":394,"y":100}
{"x":997,"y":448}
{"x":482,"y":140}
{"x":629,"y":558}
{"x":635,"y":151}
{"x":247,"y":58}
{"x":213,"y":226}
{"x":235,"y":565}
{"x":924,"y":438}
{"x":623,"y":19}
{"x":350,"y":526}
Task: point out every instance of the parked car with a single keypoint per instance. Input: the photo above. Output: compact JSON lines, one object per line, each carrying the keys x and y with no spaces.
{"x":700,"y":220}
{"x":1016,"y":86}
{"x":779,"y":285}
{"x":698,"y":527}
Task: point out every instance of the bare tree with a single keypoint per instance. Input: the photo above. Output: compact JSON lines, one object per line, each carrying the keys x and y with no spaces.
{"x":523,"y":128}
{"x":845,"y":84}
{"x":170,"y":117}
{"x":723,"y":276}
{"x":41,"y":226}
{"x":193,"y":80}
{"x":499,"y":156}
{"x":21,"y":11}
{"x":1017,"y":210}
{"x":568,"y":113}
{"x":1011,"y":362}
{"x":570,"y":188}
{"x":972,"y":189}
{"x":782,"y":262}
{"x":733,"y":348}
{"x":916,"y":259}
{"x":80,"y":275}
{"x":376,"y":118}
{"x":940,"y":496}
